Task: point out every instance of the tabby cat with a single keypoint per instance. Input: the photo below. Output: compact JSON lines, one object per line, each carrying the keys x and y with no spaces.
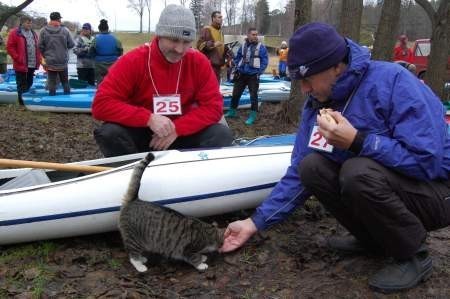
{"x":149,"y":228}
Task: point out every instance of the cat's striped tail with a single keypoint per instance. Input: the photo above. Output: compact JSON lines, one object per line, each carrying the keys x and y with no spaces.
{"x":135,"y":182}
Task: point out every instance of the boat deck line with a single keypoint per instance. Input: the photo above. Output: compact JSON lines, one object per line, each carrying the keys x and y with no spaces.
{"x":117,"y":208}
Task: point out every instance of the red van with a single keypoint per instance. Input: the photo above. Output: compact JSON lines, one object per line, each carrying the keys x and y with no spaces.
{"x":421,"y":50}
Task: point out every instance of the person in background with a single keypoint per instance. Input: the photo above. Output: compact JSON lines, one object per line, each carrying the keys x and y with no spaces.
{"x":105,"y":49}
{"x":409,"y":66}
{"x":3,"y":55}
{"x":251,"y":60}
{"x":23,"y":48}
{"x":162,"y":95}
{"x":85,"y":62}
{"x":54,"y":42}
{"x":378,"y":159}
{"x":282,"y":59}
{"x":211,"y":43}
{"x":401,"y":51}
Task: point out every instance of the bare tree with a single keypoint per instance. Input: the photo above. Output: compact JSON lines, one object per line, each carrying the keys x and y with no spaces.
{"x":183,"y":2}
{"x":292,"y":108}
{"x":350,"y":20}
{"x":230,"y":10}
{"x":138,"y":7}
{"x":437,"y":61}
{"x":387,"y":29}
{"x":148,"y":4}
{"x":100,"y":11}
{"x":12,"y":11}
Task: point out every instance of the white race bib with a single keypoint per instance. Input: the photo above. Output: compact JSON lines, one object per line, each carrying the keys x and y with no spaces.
{"x":318,"y":142}
{"x":167,"y":104}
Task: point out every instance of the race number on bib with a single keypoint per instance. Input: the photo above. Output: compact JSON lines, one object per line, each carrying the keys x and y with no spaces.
{"x":318,"y":142}
{"x":167,"y":105}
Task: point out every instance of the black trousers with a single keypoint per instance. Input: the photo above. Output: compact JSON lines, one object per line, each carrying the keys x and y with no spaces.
{"x":114,"y":139}
{"x":242,"y":81}
{"x":387,"y":211}
{"x":63,"y":78}
{"x":24,"y":80}
{"x":86,"y":74}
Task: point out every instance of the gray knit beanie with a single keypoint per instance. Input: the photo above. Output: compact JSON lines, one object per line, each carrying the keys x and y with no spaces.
{"x":176,"y":21}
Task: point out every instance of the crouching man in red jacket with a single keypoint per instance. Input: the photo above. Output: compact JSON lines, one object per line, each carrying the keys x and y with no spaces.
{"x":161,"y":95}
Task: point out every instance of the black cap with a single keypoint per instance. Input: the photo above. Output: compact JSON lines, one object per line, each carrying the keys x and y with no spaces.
{"x":55,"y":16}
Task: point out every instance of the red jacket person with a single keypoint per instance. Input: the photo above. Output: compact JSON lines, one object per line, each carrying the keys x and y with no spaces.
{"x":161,"y":95}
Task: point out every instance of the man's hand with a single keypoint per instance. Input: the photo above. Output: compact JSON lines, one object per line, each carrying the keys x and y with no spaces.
{"x":237,"y":233}
{"x":162,"y":143}
{"x":161,"y":125}
{"x":340,"y":134}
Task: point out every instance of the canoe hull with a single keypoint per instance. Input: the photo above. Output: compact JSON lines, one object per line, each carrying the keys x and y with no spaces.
{"x":197,"y":183}
{"x":79,"y":100}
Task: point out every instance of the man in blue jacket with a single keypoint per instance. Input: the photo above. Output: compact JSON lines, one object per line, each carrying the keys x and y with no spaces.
{"x":251,"y":60}
{"x":378,"y":159}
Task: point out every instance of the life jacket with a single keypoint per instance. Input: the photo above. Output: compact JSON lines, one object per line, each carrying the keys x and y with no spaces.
{"x":252,"y":59}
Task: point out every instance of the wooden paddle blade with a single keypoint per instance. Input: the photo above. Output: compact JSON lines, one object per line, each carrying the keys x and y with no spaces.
{"x":10,"y":163}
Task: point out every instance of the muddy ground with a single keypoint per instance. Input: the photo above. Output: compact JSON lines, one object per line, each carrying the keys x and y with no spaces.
{"x":288,"y":261}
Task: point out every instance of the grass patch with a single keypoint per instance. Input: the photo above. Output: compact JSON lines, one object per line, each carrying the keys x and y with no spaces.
{"x":40,"y":281}
{"x":33,"y":273}
{"x":131,"y":40}
{"x":114,"y":264}
{"x":36,"y":250}
{"x":247,"y":257}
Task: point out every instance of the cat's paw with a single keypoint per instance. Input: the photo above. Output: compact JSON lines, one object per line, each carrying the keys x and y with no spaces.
{"x":141,"y":268}
{"x":204,"y":258}
{"x":138,"y":265}
{"x":202,"y":267}
{"x":143,"y":259}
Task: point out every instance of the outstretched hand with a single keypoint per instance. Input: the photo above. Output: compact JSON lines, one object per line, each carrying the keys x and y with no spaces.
{"x":237,"y":233}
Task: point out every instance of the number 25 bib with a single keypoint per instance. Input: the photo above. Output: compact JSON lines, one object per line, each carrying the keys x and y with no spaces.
{"x":167,"y":104}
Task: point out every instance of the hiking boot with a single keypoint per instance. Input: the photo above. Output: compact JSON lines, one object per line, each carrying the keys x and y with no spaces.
{"x":232,"y":113}
{"x":404,"y":274}
{"x":348,"y":244}
{"x":251,"y":118}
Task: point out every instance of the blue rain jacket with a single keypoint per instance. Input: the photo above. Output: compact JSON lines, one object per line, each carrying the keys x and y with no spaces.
{"x":402,"y":118}
{"x":248,"y":68}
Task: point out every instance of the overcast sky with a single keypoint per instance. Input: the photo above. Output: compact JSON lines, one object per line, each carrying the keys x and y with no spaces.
{"x":115,"y":11}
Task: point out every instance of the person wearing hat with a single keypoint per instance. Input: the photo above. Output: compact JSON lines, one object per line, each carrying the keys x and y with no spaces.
{"x":401,"y":51}
{"x":378,"y":159}
{"x":282,"y":59}
{"x":106,"y":49}
{"x":85,"y":62}
{"x":54,"y":42}
{"x":22,"y":46}
{"x":251,"y":60}
{"x":161,"y":95}
{"x":409,"y":66}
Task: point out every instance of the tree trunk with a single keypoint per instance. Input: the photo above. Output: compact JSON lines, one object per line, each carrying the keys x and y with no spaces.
{"x":385,"y":37}
{"x":12,"y":11}
{"x":437,"y":61}
{"x":292,"y":109}
{"x":350,"y":20}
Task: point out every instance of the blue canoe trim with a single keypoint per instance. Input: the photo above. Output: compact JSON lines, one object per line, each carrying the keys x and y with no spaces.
{"x":116,"y":209}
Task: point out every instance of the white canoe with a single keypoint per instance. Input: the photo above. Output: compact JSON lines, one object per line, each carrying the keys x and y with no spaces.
{"x":197,"y":182}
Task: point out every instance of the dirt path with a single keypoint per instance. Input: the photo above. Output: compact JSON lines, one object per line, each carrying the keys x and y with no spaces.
{"x":288,"y":261}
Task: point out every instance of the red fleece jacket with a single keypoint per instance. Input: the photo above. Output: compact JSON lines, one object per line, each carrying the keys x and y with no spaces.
{"x":125,"y":96}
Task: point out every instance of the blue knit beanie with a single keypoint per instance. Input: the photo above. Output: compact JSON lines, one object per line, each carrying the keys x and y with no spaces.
{"x":314,"y":48}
